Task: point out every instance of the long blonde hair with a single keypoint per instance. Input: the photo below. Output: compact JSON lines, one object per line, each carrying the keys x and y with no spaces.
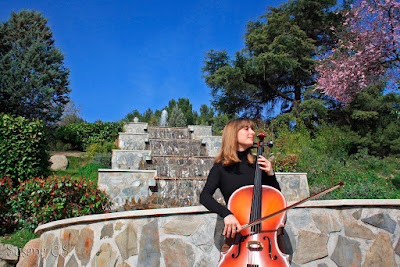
{"x":229,"y":146}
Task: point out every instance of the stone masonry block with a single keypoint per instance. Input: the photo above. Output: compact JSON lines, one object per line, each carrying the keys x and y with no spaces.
{"x":128,"y":141}
{"x":129,"y":159}
{"x":294,"y":186}
{"x":212,"y":144}
{"x":125,"y":185}
{"x":199,"y":131}
{"x":135,"y":128}
{"x":169,"y":133}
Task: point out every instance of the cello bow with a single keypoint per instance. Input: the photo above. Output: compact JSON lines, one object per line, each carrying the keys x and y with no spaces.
{"x":321,"y":193}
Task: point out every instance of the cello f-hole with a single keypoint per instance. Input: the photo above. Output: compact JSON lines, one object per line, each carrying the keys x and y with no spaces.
{"x":237,"y":253}
{"x":238,"y":239}
{"x":270,"y":248}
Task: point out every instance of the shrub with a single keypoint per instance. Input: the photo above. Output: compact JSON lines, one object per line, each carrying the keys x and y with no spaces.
{"x":358,"y":185}
{"x":39,"y":201}
{"x":97,"y":148}
{"x":290,"y":141}
{"x":22,"y":148}
{"x":82,"y":135}
{"x":101,"y":154}
{"x":7,"y":220}
{"x":287,"y":163}
{"x":103,"y":160}
{"x":361,"y":176}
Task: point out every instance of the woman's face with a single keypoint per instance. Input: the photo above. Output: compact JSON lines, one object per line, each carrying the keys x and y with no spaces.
{"x":245,"y":137}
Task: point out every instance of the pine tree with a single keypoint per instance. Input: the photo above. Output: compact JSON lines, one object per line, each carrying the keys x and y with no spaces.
{"x":176,"y":118}
{"x":186,"y":108}
{"x":277,"y":63}
{"x":33,"y":79}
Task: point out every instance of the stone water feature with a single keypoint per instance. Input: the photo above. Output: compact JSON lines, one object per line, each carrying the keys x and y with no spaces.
{"x":317,"y":233}
{"x":163,"y":165}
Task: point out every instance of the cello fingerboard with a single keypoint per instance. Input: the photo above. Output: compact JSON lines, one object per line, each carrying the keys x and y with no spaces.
{"x":255,"y":213}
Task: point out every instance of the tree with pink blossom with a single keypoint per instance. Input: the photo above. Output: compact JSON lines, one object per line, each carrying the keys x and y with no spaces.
{"x":368,"y":50}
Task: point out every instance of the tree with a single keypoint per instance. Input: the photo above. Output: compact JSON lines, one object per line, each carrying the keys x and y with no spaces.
{"x":148,"y":115}
{"x":219,"y":122}
{"x":71,"y":114}
{"x":131,"y":116}
{"x":368,"y":50}
{"x":186,"y":108}
{"x":276,"y":65}
{"x":371,"y":120}
{"x":33,"y":79}
{"x":206,"y":115}
{"x":176,"y":118}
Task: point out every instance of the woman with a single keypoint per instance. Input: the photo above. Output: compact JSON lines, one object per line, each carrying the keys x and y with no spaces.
{"x":233,"y":168}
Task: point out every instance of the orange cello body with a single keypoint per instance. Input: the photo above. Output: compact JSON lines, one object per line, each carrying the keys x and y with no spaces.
{"x":256,"y":248}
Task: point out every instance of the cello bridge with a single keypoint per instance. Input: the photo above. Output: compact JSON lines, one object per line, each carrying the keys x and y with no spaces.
{"x":254,"y":246}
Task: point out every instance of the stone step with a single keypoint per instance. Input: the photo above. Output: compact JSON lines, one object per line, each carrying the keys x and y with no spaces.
{"x":177,"y":147}
{"x":169,"y":133}
{"x":123,"y":186}
{"x":192,"y":131}
{"x":180,"y":193}
{"x":180,"y":167}
{"x":133,"y":141}
{"x":135,"y":127}
{"x":200,"y":131}
{"x":129,"y":159}
{"x":212,"y":145}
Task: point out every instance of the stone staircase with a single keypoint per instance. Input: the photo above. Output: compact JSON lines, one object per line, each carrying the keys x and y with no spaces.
{"x":159,"y":166}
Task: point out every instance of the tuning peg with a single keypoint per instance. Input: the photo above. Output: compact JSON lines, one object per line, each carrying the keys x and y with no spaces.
{"x":270,"y":143}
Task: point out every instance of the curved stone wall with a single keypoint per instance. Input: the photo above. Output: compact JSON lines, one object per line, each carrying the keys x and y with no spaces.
{"x":319,"y":233}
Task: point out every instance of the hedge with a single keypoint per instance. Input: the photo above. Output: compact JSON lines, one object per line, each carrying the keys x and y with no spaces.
{"x":82,"y":135}
{"x":22,"y":148}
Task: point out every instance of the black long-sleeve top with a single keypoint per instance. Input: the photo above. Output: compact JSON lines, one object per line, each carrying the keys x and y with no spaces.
{"x":228,"y":179}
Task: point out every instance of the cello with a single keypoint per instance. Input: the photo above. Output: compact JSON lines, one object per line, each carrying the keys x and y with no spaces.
{"x":256,"y":245}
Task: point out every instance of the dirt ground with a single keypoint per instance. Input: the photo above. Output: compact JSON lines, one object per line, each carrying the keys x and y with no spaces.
{"x":78,"y":154}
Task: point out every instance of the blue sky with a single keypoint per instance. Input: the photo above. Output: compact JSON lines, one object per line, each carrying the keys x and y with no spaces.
{"x":126,"y":55}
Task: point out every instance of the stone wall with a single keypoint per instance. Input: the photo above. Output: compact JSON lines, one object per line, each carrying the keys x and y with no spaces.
{"x":344,"y":236}
{"x":186,"y":192}
{"x":124,"y":186}
{"x":320,"y":233}
{"x":294,"y":185}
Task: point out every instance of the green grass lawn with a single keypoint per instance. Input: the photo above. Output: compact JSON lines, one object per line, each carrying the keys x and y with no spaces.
{"x":80,"y":167}
{"x":18,"y":238}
